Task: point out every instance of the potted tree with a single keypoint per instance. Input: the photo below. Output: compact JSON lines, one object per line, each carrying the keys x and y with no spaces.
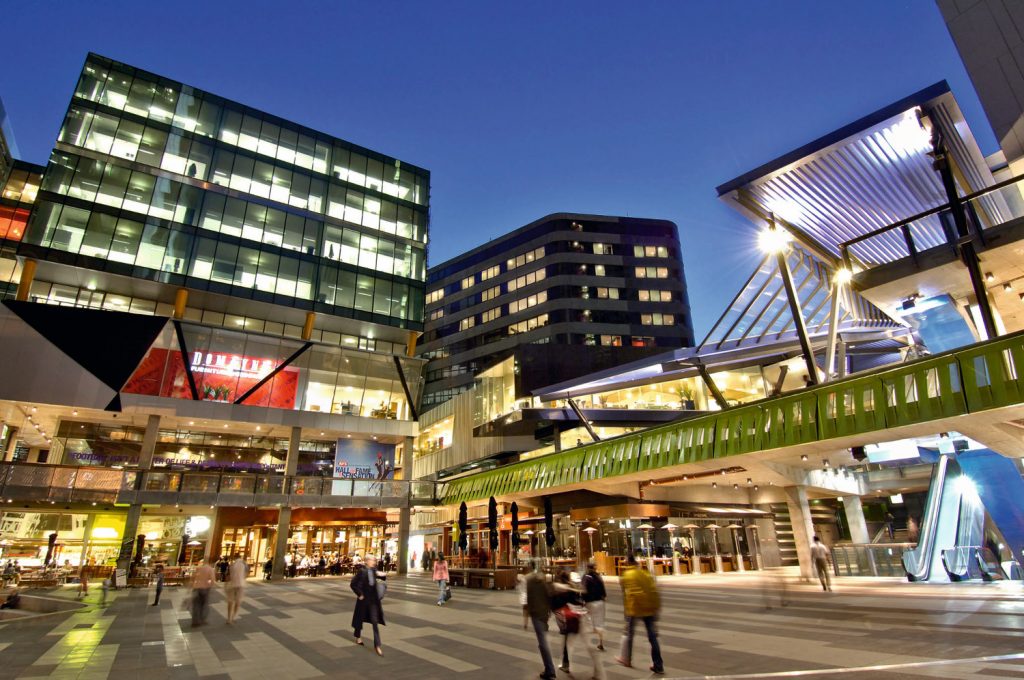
{"x":686,"y":398}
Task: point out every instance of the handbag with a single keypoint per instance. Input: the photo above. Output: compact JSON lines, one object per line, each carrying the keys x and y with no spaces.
{"x":568,"y":620}
{"x":382,"y":588}
{"x":447,"y":593}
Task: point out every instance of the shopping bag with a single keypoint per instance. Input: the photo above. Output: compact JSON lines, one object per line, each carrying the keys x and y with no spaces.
{"x":568,"y":620}
{"x":447,"y":593}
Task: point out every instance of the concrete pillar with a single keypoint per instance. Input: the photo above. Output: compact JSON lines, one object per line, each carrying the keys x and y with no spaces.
{"x":404,"y":523}
{"x":12,"y":443}
{"x":284,"y":520}
{"x":855,"y":518}
{"x":28,"y":275}
{"x":803,"y":528}
{"x":86,"y":537}
{"x":410,"y":345}
{"x":180,"y":301}
{"x":149,"y":442}
{"x":131,"y":530}
{"x":558,"y":440}
{"x":284,"y":515}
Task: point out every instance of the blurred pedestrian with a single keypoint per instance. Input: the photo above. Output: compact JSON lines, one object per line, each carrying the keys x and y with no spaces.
{"x":594,"y":595}
{"x":83,"y":581}
{"x":268,"y":568}
{"x":202,"y":581}
{"x":441,"y":578}
{"x":773,"y":581}
{"x":235,"y":586}
{"x":640,"y":600}
{"x":158,"y":576}
{"x":368,"y":585}
{"x":105,"y":588}
{"x":538,"y":605}
{"x":222,"y":568}
{"x":820,"y":556}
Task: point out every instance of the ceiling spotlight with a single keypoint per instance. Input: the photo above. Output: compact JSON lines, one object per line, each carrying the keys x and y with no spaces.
{"x":803,"y":458}
{"x":755,"y":487}
{"x":191,"y":422}
{"x":686,"y":477}
{"x":1007,"y":287}
{"x":735,"y":486}
{"x":225,"y":426}
{"x":321,"y":434}
{"x":990,"y":277}
{"x":714,"y":485}
{"x":74,"y":412}
{"x":749,"y":480}
{"x":824,"y":461}
{"x":257,"y":428}
{"x":34,"y":409}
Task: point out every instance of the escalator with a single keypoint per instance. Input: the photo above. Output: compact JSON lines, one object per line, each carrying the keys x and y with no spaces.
{"x":972,"y":516}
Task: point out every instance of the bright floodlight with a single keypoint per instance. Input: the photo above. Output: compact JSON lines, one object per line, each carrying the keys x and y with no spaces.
{"x":773,"y":241}
{"x":967,"y":487}
{"x":843,"y":276}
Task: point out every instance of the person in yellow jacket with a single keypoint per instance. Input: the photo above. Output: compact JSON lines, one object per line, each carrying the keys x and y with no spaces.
{"x":640,"y":601}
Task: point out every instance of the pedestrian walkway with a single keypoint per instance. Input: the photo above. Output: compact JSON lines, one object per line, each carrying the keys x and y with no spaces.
{"x":715,"y":626}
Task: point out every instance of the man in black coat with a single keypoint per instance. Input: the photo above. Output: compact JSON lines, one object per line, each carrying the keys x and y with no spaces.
{"x":368,"y":607}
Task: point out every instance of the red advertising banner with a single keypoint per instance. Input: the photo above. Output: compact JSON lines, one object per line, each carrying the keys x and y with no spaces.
{"x":219,"y":376}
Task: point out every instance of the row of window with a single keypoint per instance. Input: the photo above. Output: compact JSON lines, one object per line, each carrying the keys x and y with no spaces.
{"x":139,"y":192}
{"x":71,"y":296}
{"x":524,"y":259}
{"x":192,"y":110}
{"x":657,"y":319}
{"x":651,"y":272}
{"x":528,"y":324}
{"x":154,"y":247}
{"x":650,"y":251}
{"x":175,"y":153}
{"x":527,"y":302}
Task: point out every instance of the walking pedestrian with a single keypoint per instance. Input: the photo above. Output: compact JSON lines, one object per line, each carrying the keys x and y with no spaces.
{"x":820,"y":556}
{"x":83,"y":581}
{"x":594,"y":595}
{"x":574,"y":623}
{"x":441,"y":578}
{"x":202,"y":582}
{"x":368,"y":585}
{"x":235,"y":587}
{"x":640,"y":600}
{"x":538,"y":605}
{"x":158,"y":575}
{"x":268,"y":568}
{"x":222,"y":568}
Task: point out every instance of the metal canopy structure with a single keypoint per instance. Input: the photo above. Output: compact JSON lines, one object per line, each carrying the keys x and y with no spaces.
{"x":865,"y":176}
{"x":760,"y":314}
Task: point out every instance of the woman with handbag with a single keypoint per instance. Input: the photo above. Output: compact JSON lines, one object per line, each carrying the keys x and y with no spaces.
{"x":441,"y":578}
{"x":369,"y":587}
{"x":574,"y":623}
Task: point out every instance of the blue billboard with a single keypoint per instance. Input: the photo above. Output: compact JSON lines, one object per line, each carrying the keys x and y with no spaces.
{"x":364,"y":459}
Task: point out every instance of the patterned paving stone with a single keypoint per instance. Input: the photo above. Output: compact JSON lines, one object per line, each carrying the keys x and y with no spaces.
{"x":716,"y":627}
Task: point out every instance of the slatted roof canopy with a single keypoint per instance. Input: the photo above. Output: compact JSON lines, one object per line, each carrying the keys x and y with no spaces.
{"x":760,"y":314}
{"x":867,"y":175}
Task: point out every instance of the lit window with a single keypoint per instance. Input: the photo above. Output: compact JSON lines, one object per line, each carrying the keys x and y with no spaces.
{"x":490,"y":272}
{"x":490,"y":294}
{"x":467,"y":323}
{"x":603,"y":249}
{"x":490,"y":315}
{"x":598,"y":270}
{"x":436,"y":314}
{"x":434,"y":296}
{"x":525,"y":258}
{"x":608,"y":293}
{"x":611,"y":340}
{"x":468,"y":282}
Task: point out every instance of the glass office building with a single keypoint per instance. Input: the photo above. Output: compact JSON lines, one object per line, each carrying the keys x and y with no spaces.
{"x":157,"y":180}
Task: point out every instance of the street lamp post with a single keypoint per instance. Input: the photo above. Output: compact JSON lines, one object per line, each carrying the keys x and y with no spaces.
{"x":590,"y":537}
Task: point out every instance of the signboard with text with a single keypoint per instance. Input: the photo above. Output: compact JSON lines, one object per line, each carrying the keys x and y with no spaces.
{"x":363,"y":459}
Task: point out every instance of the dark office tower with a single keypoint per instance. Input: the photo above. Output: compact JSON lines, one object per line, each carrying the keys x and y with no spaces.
{"x":566,"y":295}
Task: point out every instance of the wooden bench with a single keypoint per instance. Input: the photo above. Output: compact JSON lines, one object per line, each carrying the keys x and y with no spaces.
{"x":495,"y":579}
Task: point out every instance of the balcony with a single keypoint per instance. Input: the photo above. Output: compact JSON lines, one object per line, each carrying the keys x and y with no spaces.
{"x":71,"y":484}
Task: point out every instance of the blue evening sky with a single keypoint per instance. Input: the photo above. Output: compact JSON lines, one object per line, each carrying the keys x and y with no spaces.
{"x":526,"y":108}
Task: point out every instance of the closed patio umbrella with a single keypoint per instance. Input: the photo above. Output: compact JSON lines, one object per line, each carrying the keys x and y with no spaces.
{"x":549,"y":524}
{"x":515,"y":527}
{"x":714,"y":545}
{"x":492,"y":527}
{"x":51,"y":542}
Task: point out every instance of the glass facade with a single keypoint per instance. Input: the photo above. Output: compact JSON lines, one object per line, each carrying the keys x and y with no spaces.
{"x":248,"y":368}
{"x":157,"y":180}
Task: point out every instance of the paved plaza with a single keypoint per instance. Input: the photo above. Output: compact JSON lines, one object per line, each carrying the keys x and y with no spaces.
{"x":711,"y":626}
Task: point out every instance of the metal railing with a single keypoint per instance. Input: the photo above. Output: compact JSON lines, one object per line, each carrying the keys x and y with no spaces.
{"x":869,"y":559}
{"x":968,"y":380}
{"x":65,"y":483}
{"x":906,"y":238}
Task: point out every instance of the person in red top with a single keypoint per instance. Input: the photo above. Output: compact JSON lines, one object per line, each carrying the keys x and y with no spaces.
{"x":441,"y":577}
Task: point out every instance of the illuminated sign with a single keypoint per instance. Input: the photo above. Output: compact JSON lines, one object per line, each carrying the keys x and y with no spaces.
{"x":232,"y":365}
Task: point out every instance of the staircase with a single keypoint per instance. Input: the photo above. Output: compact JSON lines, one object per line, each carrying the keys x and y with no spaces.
{"x":784,"y":535}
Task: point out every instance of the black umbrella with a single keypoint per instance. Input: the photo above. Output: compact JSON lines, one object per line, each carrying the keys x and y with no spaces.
{"x":463,"y":527}
{"x":184,"y":547}
{"x":549,"y":523}
{"x":515,"y":526}
{"x":492,"y":525}
{"x":50,"y":543}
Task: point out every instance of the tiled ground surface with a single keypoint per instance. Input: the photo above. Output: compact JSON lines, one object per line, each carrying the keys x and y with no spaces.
{"x":711,"y":626}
